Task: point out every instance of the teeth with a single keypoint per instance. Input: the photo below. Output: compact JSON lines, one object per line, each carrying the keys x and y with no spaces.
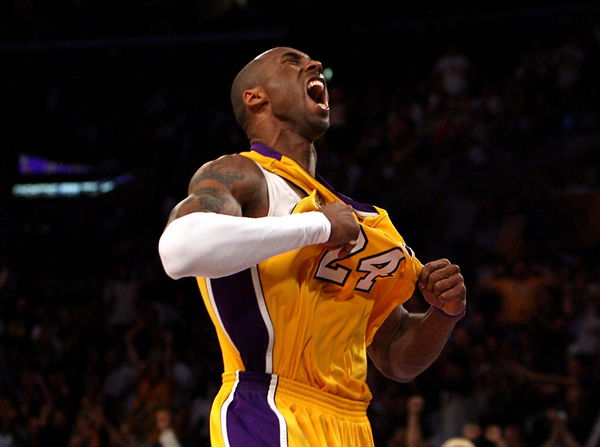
{"x":316,"y":91}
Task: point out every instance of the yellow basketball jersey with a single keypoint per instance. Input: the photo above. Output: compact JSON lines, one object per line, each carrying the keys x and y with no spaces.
{"x":308,"y":315}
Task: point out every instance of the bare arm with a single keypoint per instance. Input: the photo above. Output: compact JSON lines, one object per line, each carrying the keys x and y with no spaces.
{"x":414,"y":433}
{"x":559,"y":433}
{"x":231,"y":185}
{"x":407,"y":344}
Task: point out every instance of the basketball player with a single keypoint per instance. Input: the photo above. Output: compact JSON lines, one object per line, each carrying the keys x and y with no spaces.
{"x":300,"y":281}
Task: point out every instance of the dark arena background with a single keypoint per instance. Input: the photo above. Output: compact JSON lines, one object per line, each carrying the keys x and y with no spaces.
{"x":477,"y":128}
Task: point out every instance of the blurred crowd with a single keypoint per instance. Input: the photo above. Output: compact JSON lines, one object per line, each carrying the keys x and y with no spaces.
{"x":492,"y":166}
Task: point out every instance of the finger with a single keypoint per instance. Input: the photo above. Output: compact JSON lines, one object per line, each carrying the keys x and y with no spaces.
{"x":340,"y":207}
{"x":434,"y":300}
{"x":456,"y":293}
{"x":348,"y":212}
{"x":430,"y":267}
{"x":343,"y":252}
{"x":346,"y":249}
{"x":440,"y":274}
{"x":442,"y":285}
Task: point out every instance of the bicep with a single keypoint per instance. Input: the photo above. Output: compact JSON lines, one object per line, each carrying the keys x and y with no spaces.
{"x":210,"y":199}
{"x":222,"y":186}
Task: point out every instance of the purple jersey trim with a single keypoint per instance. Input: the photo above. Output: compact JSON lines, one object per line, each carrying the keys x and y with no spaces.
{"x":353,"y":203}
{"x":250,"y":420}
{"x":237,"y":305}
{"x":267,"y":151}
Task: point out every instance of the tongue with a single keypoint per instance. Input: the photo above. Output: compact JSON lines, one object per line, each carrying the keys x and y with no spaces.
{"x":316,"y":91}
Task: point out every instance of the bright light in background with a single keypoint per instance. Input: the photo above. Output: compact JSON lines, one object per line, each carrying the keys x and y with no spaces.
{"x":36,"y":165}
{"x":69,"y":189}
{"x":328,"y":73}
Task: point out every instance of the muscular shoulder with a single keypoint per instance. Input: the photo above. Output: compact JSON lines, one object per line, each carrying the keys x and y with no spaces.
{"x":233,"y":171}
{"x":231,"y":184}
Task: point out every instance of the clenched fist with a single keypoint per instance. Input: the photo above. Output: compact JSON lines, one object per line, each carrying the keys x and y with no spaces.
{"x":344,"y":227}
{"x":443,"y":286}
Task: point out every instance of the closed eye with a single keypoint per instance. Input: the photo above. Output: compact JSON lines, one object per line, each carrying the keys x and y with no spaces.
{"x":291,"y":57}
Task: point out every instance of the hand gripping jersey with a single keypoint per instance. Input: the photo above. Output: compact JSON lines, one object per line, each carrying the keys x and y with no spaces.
{"x":294,"y":329}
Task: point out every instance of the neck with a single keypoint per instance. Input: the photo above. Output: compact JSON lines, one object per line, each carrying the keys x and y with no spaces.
{"x":292,"y":145}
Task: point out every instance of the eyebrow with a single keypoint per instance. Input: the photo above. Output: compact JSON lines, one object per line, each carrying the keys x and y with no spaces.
{"x":293,"y":55}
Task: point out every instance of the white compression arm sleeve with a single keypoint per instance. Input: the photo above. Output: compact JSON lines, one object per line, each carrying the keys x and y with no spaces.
{"x":214,"y":245}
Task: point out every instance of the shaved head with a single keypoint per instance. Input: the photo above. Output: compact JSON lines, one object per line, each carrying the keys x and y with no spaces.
{"x":250,"y":76}
{"x":274,"y":87}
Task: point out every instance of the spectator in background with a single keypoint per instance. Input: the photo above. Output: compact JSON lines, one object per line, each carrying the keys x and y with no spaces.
{"x":166,"y":434}
{"x":493,"y":434}
{"x":414,"y":433}
{"x":568,"y":60}
{"x":559,"y":433}
{"x":514,"y":435}
{"x":120,"y":296}
{"x":154,"y":388}
{"x":121,"y":374}
{"x":452,"y":71}
{"x":511,"y":241}
{"x":473,"y":432}
{"x":458,"y":442}
{"x":587,"y":320}
{"x":518,"y":291}
{"x":9,"y":436}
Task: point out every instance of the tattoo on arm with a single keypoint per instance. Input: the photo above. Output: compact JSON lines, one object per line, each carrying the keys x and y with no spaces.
{"x":217,"y":173}
{"x":212,"y":190}
{"x":205,"y":198}
{"x":209,"y":199}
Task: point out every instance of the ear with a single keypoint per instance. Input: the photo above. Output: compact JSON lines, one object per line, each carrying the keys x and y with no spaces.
{"x":255,"y":97}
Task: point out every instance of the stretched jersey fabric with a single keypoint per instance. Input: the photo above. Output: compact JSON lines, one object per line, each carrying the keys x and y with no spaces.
{"x":298,"y":324}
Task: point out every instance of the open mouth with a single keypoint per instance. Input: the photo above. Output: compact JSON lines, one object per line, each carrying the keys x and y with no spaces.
{"x":316,"y":91}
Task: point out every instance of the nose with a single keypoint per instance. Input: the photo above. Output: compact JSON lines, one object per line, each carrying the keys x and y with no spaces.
{"x":314,"y":66}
